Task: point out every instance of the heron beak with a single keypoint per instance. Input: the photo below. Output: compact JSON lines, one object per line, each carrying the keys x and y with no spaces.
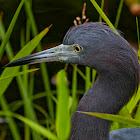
{"x":58,"y":53}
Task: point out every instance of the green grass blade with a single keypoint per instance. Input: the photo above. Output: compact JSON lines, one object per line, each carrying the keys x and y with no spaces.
{"x":74,"y":90}
{"x":80,"y":72}
{"x":125,"y":113}
{"x":63,"y":113}
{"x":102,"y":7}
{"x":118,"y":13}
{"x":27,"y":105}
{"x":41,"y":110}
{"x":115,"y":118}
{"x":8,"y":46}
{"x":114,"y":126}
{"x":41,"y":95}
{"x":31,"y":84}
{"x":4,"y":105}
{"x":103,"y":15}
{"x":87,"y":82}
{"x":27,"y":131}
{"x":38,"y":128}
{"x":28,"y":29}
{"x":138,"y":35}
{"x":93,"y":75}
{"x":11,"y":123}
{"x":10,"y":29}
{"x":19,"y":103}
{"x":31,"y":77}
{"x":47,"y":86}
{"x":30,"y":16}
{"x":137,"y":116}
{"x":43,"y":66}
{"x":25,"y":67}
{"x":15,"y":105}
{"x":18,"y":74}
{"x":134,"y":100}
{"x":25,"y":51}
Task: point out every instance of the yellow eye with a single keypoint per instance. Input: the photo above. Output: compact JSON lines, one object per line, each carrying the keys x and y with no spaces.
{"x":77,"y":48}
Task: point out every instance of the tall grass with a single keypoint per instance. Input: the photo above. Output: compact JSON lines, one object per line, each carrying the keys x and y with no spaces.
{"x":60,"y":103}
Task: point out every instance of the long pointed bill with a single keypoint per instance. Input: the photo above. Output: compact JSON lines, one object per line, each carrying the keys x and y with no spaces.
{"x":58,"y":53}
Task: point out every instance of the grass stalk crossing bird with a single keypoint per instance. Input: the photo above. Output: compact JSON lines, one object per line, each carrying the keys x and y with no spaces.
{"x":96,"y":45}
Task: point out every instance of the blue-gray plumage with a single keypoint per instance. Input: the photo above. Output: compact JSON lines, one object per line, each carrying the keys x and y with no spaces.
{"x":97,"y":46}
{"x":125,"y":134}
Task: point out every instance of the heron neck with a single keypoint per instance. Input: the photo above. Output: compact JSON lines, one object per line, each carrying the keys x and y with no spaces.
{"x":105,"y":96}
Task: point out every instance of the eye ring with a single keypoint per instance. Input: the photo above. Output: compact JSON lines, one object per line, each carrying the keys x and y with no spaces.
{"x":77,"y":48}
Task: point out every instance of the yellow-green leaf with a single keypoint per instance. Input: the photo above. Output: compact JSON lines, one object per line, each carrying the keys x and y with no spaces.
{"x":103,"y":15}
{"x":63,"y":113}
{"x":10,"y":29}
{"x":27,"y":49}
{"x":35,"y":126}
{"x":18,"y":74}
{"x":115,"y":118}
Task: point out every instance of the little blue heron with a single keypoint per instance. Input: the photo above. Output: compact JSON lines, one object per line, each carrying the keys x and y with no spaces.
{"x":96,"y":45}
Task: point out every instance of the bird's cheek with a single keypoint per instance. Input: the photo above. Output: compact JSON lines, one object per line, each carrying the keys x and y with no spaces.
{"x":74,"y":60}
{"x":90,"y":61}
{"x":87,"y":61}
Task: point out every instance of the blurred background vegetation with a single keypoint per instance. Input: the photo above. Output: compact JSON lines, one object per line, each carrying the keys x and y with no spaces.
{"x":61,"y":14}
{"x":35,"y":95}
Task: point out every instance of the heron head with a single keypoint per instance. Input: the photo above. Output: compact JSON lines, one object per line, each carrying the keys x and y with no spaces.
{"x":91,"y":44}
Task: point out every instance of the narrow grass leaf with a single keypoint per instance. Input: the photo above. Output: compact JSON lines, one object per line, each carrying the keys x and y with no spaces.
{"x":41,"y":110}
{"x":74,"y":90}
{"x":27,"y":131}
{"x":134,"y":100}
{"x":31,"y":84}
{"x":93,"y":75}
{"x":114,"y":126}
{"x":25,"y":51}
{"x":28,"y":108}
{"x":138,"y":35}
{"x":80,"y":72}
{"x":43,"y":66}
{"x":87,"y":82}
{"x":125,"y":113}
{"x":15,"y":105}
{"x":38,"y":128}
{"x":118,"y":13}
{"x":102,"y":7}
{"x":103,"y":15}
{"x":8,"y":46}
{"x":10,"y":29}
{"x":24,"y":67}
{"x":18,"y":74}
{"x":26,"y":99}
{"x":115,"y":118}
{"x":12,"y":124}
{"x":63,"y":113}
{"x":137,"y":116}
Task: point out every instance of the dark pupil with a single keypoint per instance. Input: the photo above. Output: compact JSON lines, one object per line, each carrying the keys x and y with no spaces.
{"x":77,"y":49}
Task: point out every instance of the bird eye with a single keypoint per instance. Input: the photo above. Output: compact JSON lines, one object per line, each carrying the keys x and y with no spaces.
{"x":77,"y":48}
